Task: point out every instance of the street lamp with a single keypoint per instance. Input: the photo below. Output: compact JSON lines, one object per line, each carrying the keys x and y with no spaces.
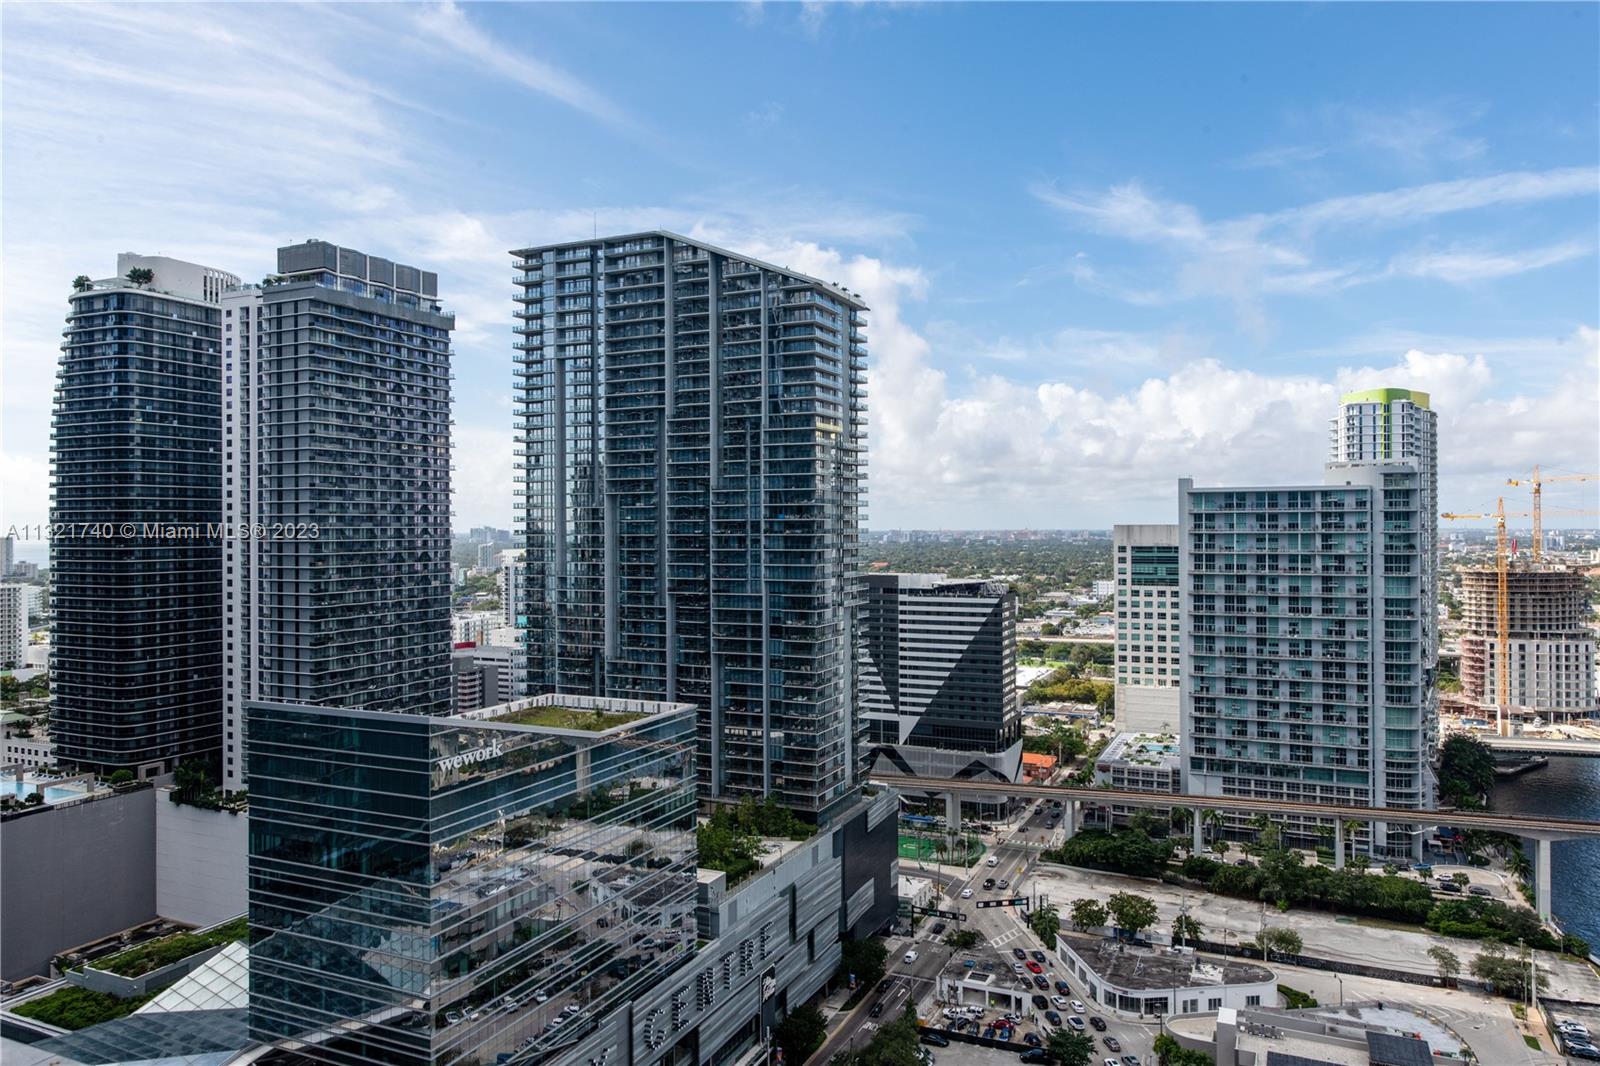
{"x":1340,"y":979}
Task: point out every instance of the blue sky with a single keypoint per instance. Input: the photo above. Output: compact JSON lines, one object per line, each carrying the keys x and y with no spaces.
{"x":1105,"y":246}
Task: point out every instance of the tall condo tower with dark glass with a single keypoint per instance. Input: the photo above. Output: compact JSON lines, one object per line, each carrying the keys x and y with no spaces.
{"x":336,"y":411}
{"x":135,"y":566}
{"x":692,"y":432}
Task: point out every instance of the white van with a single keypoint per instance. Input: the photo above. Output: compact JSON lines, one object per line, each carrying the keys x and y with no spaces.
{"x":994,"y":860}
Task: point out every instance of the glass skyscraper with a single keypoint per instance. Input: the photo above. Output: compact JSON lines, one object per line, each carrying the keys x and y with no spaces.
{"x":433,"y":889}
{"x":691,"y":433}
{"x":336,"y":414}
{"x":135,"y":562}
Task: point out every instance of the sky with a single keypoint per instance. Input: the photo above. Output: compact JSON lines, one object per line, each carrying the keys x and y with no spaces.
{"x":1105,"y":247}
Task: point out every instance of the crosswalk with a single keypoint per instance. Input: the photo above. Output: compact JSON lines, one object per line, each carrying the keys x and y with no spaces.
{"x":1006,"y":937}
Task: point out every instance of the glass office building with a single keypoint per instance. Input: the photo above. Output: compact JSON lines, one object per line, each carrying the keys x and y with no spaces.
{"x":692,"y":426}
{"x":432,"y":889}
{"x":135,"y":559}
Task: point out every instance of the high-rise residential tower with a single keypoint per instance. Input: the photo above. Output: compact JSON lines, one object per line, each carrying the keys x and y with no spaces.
{"x":336,"y":407}
{"x":136,"y":570}
{"x":937,"y":669}
{"x":1308,"y":628}
{"x":694,"y":424}
{"x":1148,"y":602}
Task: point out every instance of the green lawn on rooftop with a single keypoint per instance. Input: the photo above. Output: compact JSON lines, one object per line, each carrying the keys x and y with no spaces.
{"x":568,"y":718}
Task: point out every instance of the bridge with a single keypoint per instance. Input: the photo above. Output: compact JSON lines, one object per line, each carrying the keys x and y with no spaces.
{"x":1541,"y":828}
{"x":1541,"y":745}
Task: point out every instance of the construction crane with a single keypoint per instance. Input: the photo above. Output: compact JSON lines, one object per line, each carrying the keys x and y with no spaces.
{"x":1502,"y":604}
{"x":1538,"y":481}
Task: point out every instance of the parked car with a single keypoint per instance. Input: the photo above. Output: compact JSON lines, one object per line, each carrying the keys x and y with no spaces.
{"x":1053,"y":1018}
{"x":1097,"y":1023}
{"x":1036,"y":1055}
{"x":1017,"y":969}
{"x":1059,"y":1001}
{"x":1584,"y":1051}
{"x":1479,"y":890}
{"x":1032,"y":1039}
{"x":1078,"y":1007}
{"x":1041,"y":1002}
{"x":1130,"y":1060}
{"x":988,"y":1032}
{"x":1064,"y":988}
{"x":1450,"y":887}
{"x":935,"y":1040}
{"x":1034,"y":967}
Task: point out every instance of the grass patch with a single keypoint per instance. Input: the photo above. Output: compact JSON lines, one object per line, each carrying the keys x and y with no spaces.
{"x":567,"y":718}
{"x":154,"y":954}
{"x":76,"y":1008}
{"x":1531,"y":1041}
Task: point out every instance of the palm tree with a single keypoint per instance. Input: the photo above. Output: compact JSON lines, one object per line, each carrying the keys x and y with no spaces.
{"x":82,"y":283}
{"x":1220,"y":846}
{"x":1185,"y":928}
{"x":1351,"y":828}
{"x":1518,"y":866}
{"x":141,"y":275}
{"x":1211,"y":821}
{"x":940,"y":849}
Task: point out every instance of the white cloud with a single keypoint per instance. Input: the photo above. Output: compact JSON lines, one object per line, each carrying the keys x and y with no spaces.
{"x":1464,"y":265}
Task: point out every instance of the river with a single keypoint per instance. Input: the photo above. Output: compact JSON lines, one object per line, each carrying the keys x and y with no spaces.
{"x":1568,"y":788}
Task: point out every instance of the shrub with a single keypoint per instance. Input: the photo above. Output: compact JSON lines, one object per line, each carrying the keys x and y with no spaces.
{"x":154,"y":954}
{"x":78,"y":1008}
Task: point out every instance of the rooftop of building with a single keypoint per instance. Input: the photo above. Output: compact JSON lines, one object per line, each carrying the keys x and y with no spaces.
{"x":585,"y":714}
{"x":1139,"y":969}
{"x":1143,"y":749}
{"x":1385,"y":396}
{"x":853,"y":299}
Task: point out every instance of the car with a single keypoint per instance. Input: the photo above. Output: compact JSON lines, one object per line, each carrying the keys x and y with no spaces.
{"x":994,"y":860}
{"x":938,"y":927}
{"x":1097,"y":1023}
{"x":1567,"y":1026}
{"x":1031,"y":1039}
{"x":571,"y":1008}
{"x":935,"y":1040}
{"x":911,"y":956}
{"x":1033,"y":967}
{"x":1040,"y":1002}
{"x":1064,"y":988}
{"x":1113,"y":1044}
{"x":1584,"y":1051}
{"x":966,"y":893}
{"x":877,"y":1010}
{"x":1035,"y":1055}
{"x":1003,"y":883}
{"x":1016,"y":968}
{"x":1130,"y":1060}
{"x":1111,"y":1062}
{"x":1053,"y":1018}
{"x":1078,"y":1007}
{"x":1059,"y":1001}
{"x":1040,"y":982}
{"x":988,"y":882}
{"x":883,"y":986}
{"x":454,"y":1017}
{"x":1450,"y":887}
{"x":988,"y":1032}
{"x":1075,"y":1023}
{"x":1019,"y":954}
{"x":1479,"y":890}
{"x":1039,"y":956}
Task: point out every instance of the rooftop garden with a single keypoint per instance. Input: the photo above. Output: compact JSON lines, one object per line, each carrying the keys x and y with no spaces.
{"x":154,"y":954}
{"x":732,"y":839}
{"x":567,"y":718}
{"x":74,"y":1008}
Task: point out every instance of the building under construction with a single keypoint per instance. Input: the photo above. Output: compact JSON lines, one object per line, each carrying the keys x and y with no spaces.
{"x":1549,"y":645}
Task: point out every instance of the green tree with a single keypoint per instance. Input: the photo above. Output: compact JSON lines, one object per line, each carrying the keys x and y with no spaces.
{"x":865,"y":958}
{"x":1185,"y":929}
{"x":1518,"y":866}
{"x":141,"y":275}
{"x":1069,"y":1048}
{"x":962,"y":939}
{"x":801,"y":1033}
{"x":121,"y":777}
{"x":1278,"y":939}
{"x":1447,"y":962}
{"x":1130,"y":913}
{"x":1087,"y":914}
{"x":1509,"y":976}
{"x":1169,"y":1052}
{"x":1046,"y":923}
{"x":1460,"y":879}
{"x":82,"y":283}
{"x":1466,"y":770}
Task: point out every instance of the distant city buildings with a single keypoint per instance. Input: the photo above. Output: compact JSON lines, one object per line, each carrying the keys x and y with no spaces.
{"x":936,"y":665}
{"x":1148,"y":610}
{"x":481,"y":676}
{"x":13,"y":626}
{"x":512,"y":580}
{"x":694,"y":426}
{"x":7,"y":555}
{"x":136,"y":457}
{"x":337,"y":413}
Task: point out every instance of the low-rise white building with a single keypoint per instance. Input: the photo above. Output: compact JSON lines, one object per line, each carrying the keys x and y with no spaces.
{"x":1158,"y":981}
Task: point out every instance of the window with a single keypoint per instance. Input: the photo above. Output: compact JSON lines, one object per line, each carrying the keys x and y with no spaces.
{"x":1252,"y":1001}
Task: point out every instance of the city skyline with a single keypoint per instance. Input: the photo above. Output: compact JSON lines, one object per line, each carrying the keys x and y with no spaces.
{"x":1153,"y":286}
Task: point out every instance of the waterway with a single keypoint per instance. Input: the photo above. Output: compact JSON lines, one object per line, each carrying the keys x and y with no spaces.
{"x":1568,"y":788}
